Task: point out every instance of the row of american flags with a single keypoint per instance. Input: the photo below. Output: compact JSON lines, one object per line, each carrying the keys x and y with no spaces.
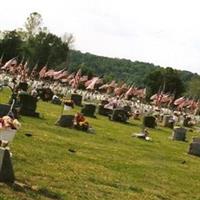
{"x":74,"y":79}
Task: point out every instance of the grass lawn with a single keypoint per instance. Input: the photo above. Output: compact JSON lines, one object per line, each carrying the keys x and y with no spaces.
{"x":109,"y":164}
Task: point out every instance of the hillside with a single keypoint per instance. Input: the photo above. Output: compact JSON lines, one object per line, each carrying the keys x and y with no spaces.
{"x":109,"y":164}
{"x":46,"y":48}
{"x":119,"y":69}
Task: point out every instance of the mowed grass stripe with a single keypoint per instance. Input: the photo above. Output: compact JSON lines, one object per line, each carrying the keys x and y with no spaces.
{"x":109,"y":164}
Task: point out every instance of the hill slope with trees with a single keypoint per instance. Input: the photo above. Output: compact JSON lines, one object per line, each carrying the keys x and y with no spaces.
{"x":35,"y":44}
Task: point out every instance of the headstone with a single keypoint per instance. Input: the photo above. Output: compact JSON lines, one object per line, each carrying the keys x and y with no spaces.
{"x":89,"y":110}
{"x":6,"y":168}
{"x":65,"y":121}
{"x":194,"y":148}
{"x":104,"y":111}
{"x":179,"y":134}
{"x":196,"y":139}
{"x":77,"y":99}
{"x":119,"y":115}
{"x":149,"y":121}
{"x":168,"y":121}
{"x":28,"y":104}
{"x":4,"y":110}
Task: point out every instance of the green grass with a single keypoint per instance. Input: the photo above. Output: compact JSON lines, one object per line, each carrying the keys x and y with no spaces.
{"x":109,"y":164}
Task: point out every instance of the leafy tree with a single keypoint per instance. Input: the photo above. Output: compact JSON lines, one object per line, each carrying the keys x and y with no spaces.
{"x":173,"y":82}
{"x":11,"y":44}
{"x":154,"y":81}
{"x":69,"y":39}
{"x":48,"y":48}
{"x":33,"y":24}
{"x":166,"y":80}
{"x":193,"y":88}
{"x":38,"y":45}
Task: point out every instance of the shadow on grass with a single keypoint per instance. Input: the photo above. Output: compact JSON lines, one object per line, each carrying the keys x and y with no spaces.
{"x":34,"y":191}
{"x":41,"y":118}
{"x":124,"y":123}
{"x":49,"y":194}
{"x":161,"y":197}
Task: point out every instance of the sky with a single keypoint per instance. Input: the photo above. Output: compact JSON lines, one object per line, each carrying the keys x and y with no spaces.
{"x":162,"y":32}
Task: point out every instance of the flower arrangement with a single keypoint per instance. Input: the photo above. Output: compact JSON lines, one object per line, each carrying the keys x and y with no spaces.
{"x":7,"y":122}
{"x":68,"y":102}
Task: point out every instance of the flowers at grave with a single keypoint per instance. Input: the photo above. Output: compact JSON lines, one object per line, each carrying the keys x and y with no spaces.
{"x":7,"y":122}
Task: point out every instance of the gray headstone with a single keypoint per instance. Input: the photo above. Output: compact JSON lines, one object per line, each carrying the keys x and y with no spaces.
{"x":194,"y":149}
{"x":165,"y":120}
{"x":168,"y":121}
{"x":6,"y":168}
{"x":196,"y":139}
{"x":179,"y":134}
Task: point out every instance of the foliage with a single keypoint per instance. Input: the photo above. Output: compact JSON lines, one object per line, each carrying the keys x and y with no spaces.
{"x":33,"y":24}
{"x":165,"y":80}
{"x":37,"y":45}
{"x":119,"y":69}
{"x":193,"y":88}
{"x":11,"y":44}
{"x":138,"y":73}
{"x":47,"y":48}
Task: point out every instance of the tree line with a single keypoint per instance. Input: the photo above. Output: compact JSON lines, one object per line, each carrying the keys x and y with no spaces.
{"x":37,"y":45}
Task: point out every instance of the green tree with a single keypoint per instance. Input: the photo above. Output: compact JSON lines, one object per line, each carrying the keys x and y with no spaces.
{"x":154,"y":81}
{"x":173,"y":82}
{"x":33,"y":24}
{"x":193,"y":87}
{"x":11,"y":44}
{"x":48,"y":48}
{"x":164,"y":79}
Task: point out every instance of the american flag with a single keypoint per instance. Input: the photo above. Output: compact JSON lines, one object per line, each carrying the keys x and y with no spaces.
{"x":12,"y":63}
{"x":64,"y":75}
{"x":60,"y":74}
{"x":77,"y":79}
{"x":141,"y":93}
{"x":179,"y":101}
{"x":49,"y":73}
{"x":92,"y":84}
{"x":42,"y":72}
{"x":83,"y":79}
{"x":57,"y":73}
{"x":129,"y":92}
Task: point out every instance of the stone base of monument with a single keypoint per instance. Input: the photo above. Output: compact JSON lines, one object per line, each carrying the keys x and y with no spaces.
{"x":104,"y":111}
{"x":149,"y":121}
{"x":194,"y":148}
{"x":4,"y":110}
{"x":89,"y":110}
{"x":119,"y":115}
{"x":65,"y":121}
{"x":6,"y":168}
{"x":179,"y":134}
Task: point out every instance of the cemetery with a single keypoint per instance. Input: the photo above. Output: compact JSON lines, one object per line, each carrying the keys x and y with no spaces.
{"x":51,"y":161}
